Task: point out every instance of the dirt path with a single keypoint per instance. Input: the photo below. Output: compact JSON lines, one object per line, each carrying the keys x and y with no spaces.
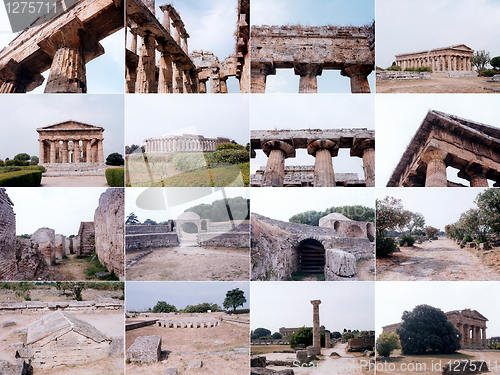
{"x":189,"y":263}
{"x":438,"y":84}
{"x":438,"y":260}
{"x":73,"y":268}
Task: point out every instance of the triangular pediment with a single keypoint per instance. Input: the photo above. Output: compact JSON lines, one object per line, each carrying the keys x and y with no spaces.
{"x":70,"y":125}
{"x":461,"y":47}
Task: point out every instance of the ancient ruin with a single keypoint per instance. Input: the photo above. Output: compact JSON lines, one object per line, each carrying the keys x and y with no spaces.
{"x":179,"y":71}
{"x":452,"y":58}
{"x":188,"y":323}
{"x":316,"y":333}
{"x":64,"y":42}
{"x":442,"y":141}
{"x":182,"y":143}
{"x":279,"y":248}
{"x":145,"y":349}
{"x":309,"y":51}
{"x":323,"y":145}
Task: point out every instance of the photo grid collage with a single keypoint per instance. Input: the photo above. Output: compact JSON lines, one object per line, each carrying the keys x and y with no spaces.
{"x":150,"y":226}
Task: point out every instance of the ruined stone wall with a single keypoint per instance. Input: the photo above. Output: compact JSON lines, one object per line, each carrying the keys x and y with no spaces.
{"x":230,"y":239}
{"x":153,"y":240}
{"x":109,"y":230}
{"x":385,"y":75}
{"x":60,"y":244}
{"x":7,"y":237}
{"x":30,"y":307}
{"x":361,"y":343}
{"x":30,"y":261}
{"x":86,"y":235}
{"x":45,"y":238}
{"x":147,"y":229}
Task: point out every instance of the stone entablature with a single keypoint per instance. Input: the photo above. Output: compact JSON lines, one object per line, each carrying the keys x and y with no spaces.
{"x":63,"y":42}
{"x":183,"y":143}
{"x":443,"y":141}
{"x":453,"y":58}
{"x":309,"y":50}
{"x":322,"y":144}
{"x":70,"y":142}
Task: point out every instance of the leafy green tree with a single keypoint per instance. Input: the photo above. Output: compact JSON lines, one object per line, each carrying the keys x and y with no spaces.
{"x":132,"y":219}
{"x":347,"y":335}
{"x":77,"y":289}
{"x":164,"y":307}
{"x":390,"y":216}
{"x":336,"y":335}
{"x":426,"y":329}
{"x":115,"y":159}
{"x":415,"y":221}
{"x":234,"y":298}
{"x":260,"y":332}
{"x":35,"y":159}
{"x":480,"y":60}
{"x":495,"y":62}
{"x":357,"y":213}
{"x":229,"y":146}
{"x":277,"y":336}
{"x":201,"y":308}
{"x":22,"y":156}
{"x":488,"y":204}
{"x":303,"y":335}
{"x":150,"y":222}
{"x":387,"y":342}
{"x":131,"y":149}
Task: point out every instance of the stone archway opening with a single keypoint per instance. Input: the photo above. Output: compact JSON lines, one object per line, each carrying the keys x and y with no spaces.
{"x":311,"y":256}
{"x":354,"y":231}
{"x":336,"y":226}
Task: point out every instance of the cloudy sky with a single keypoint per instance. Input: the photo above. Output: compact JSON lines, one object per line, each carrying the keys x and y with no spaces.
{"x":207,"y":115}
{"x":312,"y":13}
{"x":349,"y":305}
{"x":403,"y":26}
{"x":105,"y":74}
{"x":143,"y":295}
{"x":332,"y":111}
{"x":393,"y":298}
{"x":274,"y":202}
{"x":22,"y":115}
{"x":397,"y":118}
{"x":161,"y":204}
{"x":60,"y":209}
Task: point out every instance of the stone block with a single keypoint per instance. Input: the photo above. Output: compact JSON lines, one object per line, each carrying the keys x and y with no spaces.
{"x":145,"y":349}
{"x":302,"y":356}
{"x":257,"y":361}
{"x":267,"y":371}
{"x":339,"y":263}
{"x":170,"y":371}
{"x":116,"y":347}
{"x":195,"y":365}
{"x":312,"y":351}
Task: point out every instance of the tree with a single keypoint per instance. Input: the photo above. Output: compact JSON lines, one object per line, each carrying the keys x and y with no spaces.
{"x":387,"y":342}
{"x":431,"y":231}
{"x":427,"y":329}
{"x":132,"y":219}
{"x":357,"y":213}
{"x":22,"y":156}
{"x":131,"y":149}
{"x":277,"y":336}
{"x":336,"y":335}
{"x":495,"y":62}
{"x":77,"y":289}
{"x":234,"y":298}
{"x":164,"y":307}
{"x":480,"y":60}
{"x":488,"y":203}
{"x":304,"y":335}
{"x":34,"y":159}
{"x":415,"y":221}
{"x":115,"y":159}
{"x":390,"y":215}
{"x":150,"y":222}
{"x":260,"y":332}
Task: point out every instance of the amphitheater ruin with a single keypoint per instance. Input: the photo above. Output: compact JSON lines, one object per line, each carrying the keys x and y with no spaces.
{"x":179,"y":71}
{"x":442,"y":141}
{"x":309,"y":50}
{"x":279,"y":248}
{"x":64,"y":42}
{"x":323,"y":145}
{"x":452,"y":58}
{"x":182,"y":143}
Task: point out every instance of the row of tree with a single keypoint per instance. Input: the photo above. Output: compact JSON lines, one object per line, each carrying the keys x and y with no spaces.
{"x":219,"y":210}
{"x":357,"y":213}
{"x":20,"y":160}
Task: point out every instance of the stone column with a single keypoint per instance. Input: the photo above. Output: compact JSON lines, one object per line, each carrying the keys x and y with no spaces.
{"x":436,"y":168}
{"x":277,"y":151}
{"x":76,"y":151}
{"x":166,"y":71}
{"x":177,"y":79}
{"x":475,"y":173}
{"x":485,"y":340}
{"x":15,"y":79}
{"x":448,"y":62}
{"x":41,"y":151}
{"x":364,"y":147}
{"x":308,"y":73}
{"x":53,"y":152}
{"x":177,"y":32}
{"x":316,"y":333}
{"x":359,"y":77}
{"x":223,"y":85}
{"x":133,"y":42}
{"x":258,"y":75}
{"x":165,"y":8}
{"x":323,"y":150}
{"x":64,"y":152}
{"x":202,"y":87}
{"x":146,"y":69}
{"x":100,"y":152}
{"x":465,"y":333}
{"x":184,"y":39}
{"x":89,"y":151}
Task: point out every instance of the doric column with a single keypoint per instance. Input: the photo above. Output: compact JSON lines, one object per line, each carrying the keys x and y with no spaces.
{"x":202,"y":85}
{"x":177,"y":79}
{"x":184,"y":39}
{"x":165,"y":8}
{"x":485,"y":340}
{"x":53,"y":152}
{"x":258,"y":75}
{"x":466,"y":334}
{"x":64,"y":152}
{"x":359,"y":77}
{"x":323,"y":150}
{"x":89,"y":151}
{"x":308,"y":73}
{"x":41,"y":151}
{"x":215,"y":84}
{"x":475,"y":173}
{"x":364,"y":147}
{"x":146,"y":69}
{"x":177,"y":32}
{"x":166,"y":71}
{"x":14,"y":79}
{"x":133,"y":42}
{"x":436,"y":168}
{"x":76,"y":151}
{"x":277,"y":151}
{"x":223,"y":85}
{"x":316,"y":333}
{"x":100,"y":152}
{"x":448,"y":62}
{"x":469,"y":64}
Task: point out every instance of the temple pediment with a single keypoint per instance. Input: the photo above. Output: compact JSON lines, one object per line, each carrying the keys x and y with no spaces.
{"x":69,"y":125}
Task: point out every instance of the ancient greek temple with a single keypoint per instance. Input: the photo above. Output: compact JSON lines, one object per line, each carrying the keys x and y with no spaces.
{"x":472,"y":325}
{"x":453,"y":58}
{"x":70,"y":142}
{"x":443,"y":141}
{"x":309,"y":51}
{"x":322,"y":145}
{"x":65,"y":43}
{"x":183,"y":143}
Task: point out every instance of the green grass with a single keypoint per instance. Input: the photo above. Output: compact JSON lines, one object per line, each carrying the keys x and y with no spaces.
{"x":96,"y":266}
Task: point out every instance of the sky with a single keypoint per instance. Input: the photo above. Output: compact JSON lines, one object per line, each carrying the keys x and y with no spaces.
{"x":105,"y":74}
{"x":142,"y":295}
{"x":349,"y":305}
{"x":207,"y":115}
{"x":333,"y":111}
{"x":393,"y":298}
{"x":402,"y":26}
{"x":439,"y":206}
{"x":397,"y":118}
{"x":147,"y":203}
{"x":60,"y":209}
{"x":312,"y":13}
{"x":22,"y":115}
{"x":274,"y":202}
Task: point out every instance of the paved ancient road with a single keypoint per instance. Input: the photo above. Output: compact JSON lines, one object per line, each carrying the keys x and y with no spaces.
{"x":437,"y":261}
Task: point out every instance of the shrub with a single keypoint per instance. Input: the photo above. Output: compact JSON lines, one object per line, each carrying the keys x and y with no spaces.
{"x":115,"y":177}
{"x":229,"y":146}
{"x":188,"y":161}
{"x":468,"y":238}
{"x":115,"y":159}
{"x":379,"y":68}
{"x":10,"y":168}
{"x":230,"y":156}
{"x":489,"y":72}
{"x":385,"y":246}
{"x":419,"y":69}
{"x":396,"y":68}
{"x":28,"y":178}
{"x":495,"y":62}
{"x":387,"y":342}
{"x":406,"y":238}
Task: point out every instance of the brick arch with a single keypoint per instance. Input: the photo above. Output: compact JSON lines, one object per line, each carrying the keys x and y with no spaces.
{"x":312,"y":256}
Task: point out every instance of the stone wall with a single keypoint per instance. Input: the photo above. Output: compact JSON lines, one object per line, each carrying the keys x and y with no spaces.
{"x":389,"y":75}
{"x":30,"y":261}
{"x":147,"y":241}
{"x":86,"y":235}
{"x":109,"y":230}
{"x":60,"y":244}
{"x":224,"y":235}
{"x":30,"y":307}
{"x":7,"y":237}
{"x":147,"y":229}
{"x":360,"y":344}
{"x":45,"y":238}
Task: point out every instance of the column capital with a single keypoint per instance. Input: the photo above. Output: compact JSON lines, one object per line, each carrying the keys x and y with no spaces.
{"x":316,"y":302}
{"x":475,"y":173}
{"x":276,"y":144}
{"x":263,"y":68}
{"x":318,"y":144}
{"x":308,"y":68}
{"x":432,"y":153}
{"x":359,"y":77}
{"x":362,"y":143}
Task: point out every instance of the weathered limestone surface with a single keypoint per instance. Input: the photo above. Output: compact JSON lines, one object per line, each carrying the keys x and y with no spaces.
{"x":141,"y":237}
{"x":7,"y":237}
{"x":145,"y":349}
{"x":224,"y":235}
{"x":29,"y":260}
{"x":339,"y":264}
{"x":59,"y":245}
{"x":109,"y":220}
{"x":45,"y":238}
{"x":29,"y":307}
{"x":268,"y":371}
{"x":20,"y":367}
{"x":452,"y":58}
{"x":387,"y":75}
{"x":86,"y":236}
{"x":360,"y":344}
{"x":316,"y":333}
{"x":188,"y":323}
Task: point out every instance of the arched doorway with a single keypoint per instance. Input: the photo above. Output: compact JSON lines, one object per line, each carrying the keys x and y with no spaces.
{"x":311,"y":256}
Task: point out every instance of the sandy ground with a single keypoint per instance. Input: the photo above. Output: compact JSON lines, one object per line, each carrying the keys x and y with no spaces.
{"x":192,"y":263}
{"x":438,"y":84}
{"x":72,"y":267}
{"x":433,"y":364}
{"x":224,"y":350}
{"x":75,"y":181}
{"x":347,"y":363}
{"x":437,"y":261}
{"x":364,"y":273}
{"x":54,"y":295}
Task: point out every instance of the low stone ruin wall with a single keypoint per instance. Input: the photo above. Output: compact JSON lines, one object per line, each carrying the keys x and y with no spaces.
{"x":389,"y":75}
{"x":147,"y":229}
{"x":195,"y":323}
{"x":31,"y":307}
{"x":135,"y":325}
{"x":152,"y":240}
{"x":461,"y":74}
{"x":360,"y":344}
{"x":231,"y":239}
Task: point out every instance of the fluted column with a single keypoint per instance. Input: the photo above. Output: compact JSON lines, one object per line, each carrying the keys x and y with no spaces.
{"x":436,"y":168}
{"x":165,"y":72}
{"x":177,"y":79}
{"x":277,"y":151}
{"x":364,"y":147}
{"x":308,"y":72}
{"x":89,"y":151}
{"x":177,"y":32}
{"x":76,"y":151}
{"x":146,"y":69}
{"x":100,"y":152}
{"x":52,"y":152}
{"x":223,"y":85}
{"x":359,"y":77}
{"x":202,"y":86}
{"x":465,"y":334}
{"x":41,"y":151}
{"x":475,"y":173}
{"x":484,"y":338}
{"x":64,"y":152}
{"x":323,"y":150}
{"x":258,"y":76}
{"x":165,"y":8}
{"x":316,"y":333}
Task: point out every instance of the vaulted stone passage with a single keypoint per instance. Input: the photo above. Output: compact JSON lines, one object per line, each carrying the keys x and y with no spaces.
{"x":311,"y":256}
